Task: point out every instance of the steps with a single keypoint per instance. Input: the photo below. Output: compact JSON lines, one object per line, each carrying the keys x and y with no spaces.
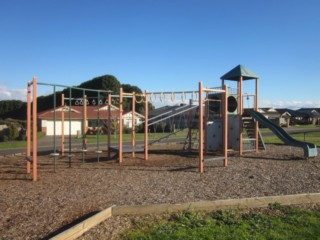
{"x":248,"y":125}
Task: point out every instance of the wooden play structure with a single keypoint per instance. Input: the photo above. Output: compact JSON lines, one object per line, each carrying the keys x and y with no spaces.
{"x":222,"y":131}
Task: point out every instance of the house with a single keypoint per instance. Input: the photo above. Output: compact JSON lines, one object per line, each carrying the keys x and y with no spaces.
{"x":50,"y":121}
{"x":287,"y":117}
{"x":270,"y":113}
{"x":309,"y":115}
{"x":280,"y":117}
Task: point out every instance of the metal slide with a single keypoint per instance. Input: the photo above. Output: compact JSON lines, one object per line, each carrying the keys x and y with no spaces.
{"x":310,"y":149}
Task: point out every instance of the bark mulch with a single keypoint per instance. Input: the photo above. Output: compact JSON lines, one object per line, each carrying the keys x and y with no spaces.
{"x":38,"y":210}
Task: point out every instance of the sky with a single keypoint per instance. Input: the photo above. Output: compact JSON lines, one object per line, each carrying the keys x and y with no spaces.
{"x":163,"y":45}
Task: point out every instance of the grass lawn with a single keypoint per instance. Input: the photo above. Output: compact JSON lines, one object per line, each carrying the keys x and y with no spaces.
{"x":272,"y":139}
{"x":102,"y":138}
{"x":312,"y":137}
{"x":275,"y":222}
{"x":18,"y":144}
{"x":139,"y":136}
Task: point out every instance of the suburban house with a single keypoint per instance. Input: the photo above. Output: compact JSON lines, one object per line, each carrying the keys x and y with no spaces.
{"x":50,"y":120}
{"x":285,"y":117}
{"x":309,"y":115}
{"x":272,"y":114}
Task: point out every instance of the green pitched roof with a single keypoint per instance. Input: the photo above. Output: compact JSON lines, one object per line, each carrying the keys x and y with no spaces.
{"x":239,"y":71}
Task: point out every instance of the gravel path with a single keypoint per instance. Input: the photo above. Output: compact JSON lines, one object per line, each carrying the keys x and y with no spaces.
{"x":38,"y":210}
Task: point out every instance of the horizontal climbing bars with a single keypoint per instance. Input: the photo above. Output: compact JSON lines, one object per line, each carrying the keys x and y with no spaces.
{"x":75,"y":88}
{"x":178,"y":92}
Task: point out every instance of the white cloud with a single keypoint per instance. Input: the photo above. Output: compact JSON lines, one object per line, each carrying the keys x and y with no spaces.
{"x":12,"y":94}
{"x":294,"y":104}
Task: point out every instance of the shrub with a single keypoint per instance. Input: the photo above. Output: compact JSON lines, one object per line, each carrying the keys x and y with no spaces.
{"x":127,"y":130}
{"x":4,"y":138}
{"x":13,"y":132}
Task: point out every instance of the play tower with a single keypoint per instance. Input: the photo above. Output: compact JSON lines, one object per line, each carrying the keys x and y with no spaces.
{"x":243,"y":132}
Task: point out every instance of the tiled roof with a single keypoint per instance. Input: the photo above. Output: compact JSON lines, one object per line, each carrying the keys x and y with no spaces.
{"x":77,"y":113}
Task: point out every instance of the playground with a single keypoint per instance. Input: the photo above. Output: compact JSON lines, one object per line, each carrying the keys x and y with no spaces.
{"x":35,"y":210}
{"x":221,"y":156}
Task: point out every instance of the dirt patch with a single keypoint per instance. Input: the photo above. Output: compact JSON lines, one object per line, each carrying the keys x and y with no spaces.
{"x":37,"y":210}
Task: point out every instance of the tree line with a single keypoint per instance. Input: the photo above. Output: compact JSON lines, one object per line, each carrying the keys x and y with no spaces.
{"x":17,"y":109}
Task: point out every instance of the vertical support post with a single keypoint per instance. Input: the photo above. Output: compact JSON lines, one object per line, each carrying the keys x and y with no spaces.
{"x":120,"y":124}
{"x":109,"y":124}
{"x":256,"y":106}
{"x":133,"y":134}
{"x":84,"y":126}
{"x":62,"y":124}
{"x":98,"y":127}
{"x":85,"y":117}
{"x":54,"y":128}
{"x":225,"y":124}
{"x":70,"y":105}
{"x":146,"y":128}
{"x":205,"y":121}
{"x":201,"y":157}
{"x":34,"y":132}
{"x":190,"y":126}
{"x":240,"y":115}
{"x":28,"y":128}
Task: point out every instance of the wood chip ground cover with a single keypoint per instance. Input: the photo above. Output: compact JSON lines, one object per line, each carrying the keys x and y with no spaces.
{"x":38,"y":210}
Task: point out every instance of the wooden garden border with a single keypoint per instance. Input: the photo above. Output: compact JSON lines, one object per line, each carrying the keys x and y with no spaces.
{"x":256,"y":202}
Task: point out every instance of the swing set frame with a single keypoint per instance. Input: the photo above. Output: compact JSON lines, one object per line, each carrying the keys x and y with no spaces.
{"x":203,"y":105}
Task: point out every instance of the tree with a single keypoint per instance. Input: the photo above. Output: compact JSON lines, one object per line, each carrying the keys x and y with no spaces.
{"x":13,"y":108}
{"x":105,"y":82}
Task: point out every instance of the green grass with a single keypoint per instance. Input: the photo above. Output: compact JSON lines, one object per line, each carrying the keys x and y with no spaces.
{"x":102,"y":138}
{"x":313,"y":137}
{"x":315,"y":127}
{"x":18,"y":144}
{"x":307,"y":126}
{"x":275,"y":222}
{"x":13,"y":144}
{"x":139,"y":137}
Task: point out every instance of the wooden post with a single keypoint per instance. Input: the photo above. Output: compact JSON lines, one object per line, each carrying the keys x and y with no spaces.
{"x":109,"y":124}
{"x":205,"y":122}
{"x":225,"y":124}
{"x":190,"y":126}
{"x":34,"y":132}
{"x":85,"y":116}
{"x":133,"y":134}
{"x":28,"y":128}
{"x":256,"y":107}
{"x":62,"y":124}
{"x":146,"y":128}
{"x":120,"y":124}
{"x":69,"y":114}
{"x":240,"y":115}
{"x":201,"y":159}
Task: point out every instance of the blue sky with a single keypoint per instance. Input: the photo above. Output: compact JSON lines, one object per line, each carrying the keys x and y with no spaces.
{"x":167,"y":45}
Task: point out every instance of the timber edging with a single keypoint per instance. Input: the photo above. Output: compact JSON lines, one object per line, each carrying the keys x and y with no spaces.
{"x":256,"y":202}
